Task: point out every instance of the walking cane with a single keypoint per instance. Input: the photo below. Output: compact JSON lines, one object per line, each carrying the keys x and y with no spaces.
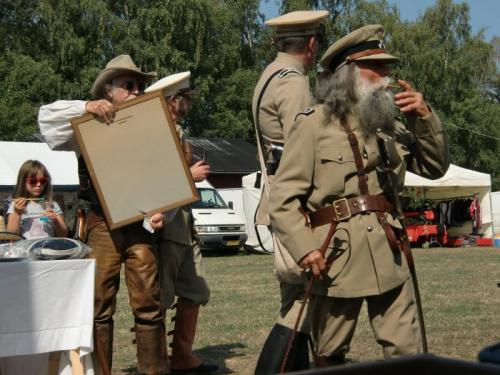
{"x":307,"y":293}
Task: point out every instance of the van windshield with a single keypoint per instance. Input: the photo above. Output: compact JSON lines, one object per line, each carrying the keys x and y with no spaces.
{"x":209,"y":199}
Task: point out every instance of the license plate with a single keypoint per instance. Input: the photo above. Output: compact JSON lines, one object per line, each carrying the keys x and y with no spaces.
{"x":233,"y":243}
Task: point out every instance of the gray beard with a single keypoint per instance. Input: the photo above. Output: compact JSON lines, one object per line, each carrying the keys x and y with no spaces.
{"x":376,"y":110}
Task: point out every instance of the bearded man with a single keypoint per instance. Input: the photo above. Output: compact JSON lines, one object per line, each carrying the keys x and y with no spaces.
{"x":334,"y":203}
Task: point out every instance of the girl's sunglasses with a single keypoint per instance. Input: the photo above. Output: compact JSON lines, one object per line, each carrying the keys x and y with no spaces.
{"x":34,"y":180}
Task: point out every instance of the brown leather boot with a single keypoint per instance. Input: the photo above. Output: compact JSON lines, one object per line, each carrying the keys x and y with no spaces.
{"x":151,"y":349}
{"x":186,"y":318}
{"x":183,"y":359}
{"x":104,"y":333}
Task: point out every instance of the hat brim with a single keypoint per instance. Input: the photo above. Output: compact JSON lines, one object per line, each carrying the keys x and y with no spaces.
{"x":389,"y":59}
{"x":188,"y":91}
{"x":97,"y":90}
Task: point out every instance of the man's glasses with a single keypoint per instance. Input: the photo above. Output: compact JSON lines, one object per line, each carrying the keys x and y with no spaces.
{"x":132,"y":85}
{"x":35,"y":180}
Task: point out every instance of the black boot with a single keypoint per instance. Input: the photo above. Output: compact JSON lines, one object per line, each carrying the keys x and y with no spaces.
{"x":274,"y":351}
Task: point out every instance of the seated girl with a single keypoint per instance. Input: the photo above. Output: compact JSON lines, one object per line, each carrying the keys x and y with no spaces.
{"x":33,"y":213}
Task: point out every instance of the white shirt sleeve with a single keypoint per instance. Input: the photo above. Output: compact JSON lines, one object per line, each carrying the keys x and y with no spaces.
{"x":55,"y":126}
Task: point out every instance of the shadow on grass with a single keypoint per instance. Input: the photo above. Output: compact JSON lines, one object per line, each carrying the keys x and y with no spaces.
{"x":217,"y":354}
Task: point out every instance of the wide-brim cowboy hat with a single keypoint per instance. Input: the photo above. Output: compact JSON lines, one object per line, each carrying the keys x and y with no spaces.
{"x":118,"y":66}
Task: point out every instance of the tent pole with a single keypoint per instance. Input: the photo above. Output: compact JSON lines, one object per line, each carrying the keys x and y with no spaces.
{"x":491,"y":217}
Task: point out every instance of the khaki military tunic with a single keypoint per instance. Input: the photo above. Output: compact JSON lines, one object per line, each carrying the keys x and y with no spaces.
{"x":284,"y":98}
{"x":318,"y":168}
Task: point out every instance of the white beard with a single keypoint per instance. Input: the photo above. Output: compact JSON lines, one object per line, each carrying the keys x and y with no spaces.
{"x":376,"y":108}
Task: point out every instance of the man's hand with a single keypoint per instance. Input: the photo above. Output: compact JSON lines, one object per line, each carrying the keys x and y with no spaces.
{"x":411,"y":102}
{"x":314,"y":262}
{"x":103,"y":109}
{"x":156,"y":221}
{"x":200,"y":171}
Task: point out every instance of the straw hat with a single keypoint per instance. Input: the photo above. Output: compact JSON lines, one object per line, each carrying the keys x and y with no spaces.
{"x":120,"y":65}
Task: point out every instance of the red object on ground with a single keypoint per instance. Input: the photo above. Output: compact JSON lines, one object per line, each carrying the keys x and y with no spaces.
{"x":425,"y":231}
{"x":480,"y":241}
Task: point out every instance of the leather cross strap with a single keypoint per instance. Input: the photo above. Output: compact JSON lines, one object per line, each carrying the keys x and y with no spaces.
{"x":358,"y":159}
{"x":345,"y":208}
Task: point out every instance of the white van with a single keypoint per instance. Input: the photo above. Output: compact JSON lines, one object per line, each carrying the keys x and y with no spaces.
{"x":217,"y":224}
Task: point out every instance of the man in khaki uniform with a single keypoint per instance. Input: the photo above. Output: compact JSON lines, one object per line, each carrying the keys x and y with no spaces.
{"x":181,"y":268}
{"x":282,"y":92}
{"x":341,"y":172}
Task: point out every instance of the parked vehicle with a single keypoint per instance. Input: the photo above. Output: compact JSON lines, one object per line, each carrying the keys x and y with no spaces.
{"x":217,"y":224}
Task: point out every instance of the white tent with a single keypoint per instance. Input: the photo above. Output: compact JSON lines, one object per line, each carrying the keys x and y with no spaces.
{"x":62,"y":165}
{"x":495,"y":209}
{"x":457,"y":183}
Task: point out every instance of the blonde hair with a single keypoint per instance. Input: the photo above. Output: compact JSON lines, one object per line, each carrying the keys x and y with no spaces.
{"x":31,"y":168}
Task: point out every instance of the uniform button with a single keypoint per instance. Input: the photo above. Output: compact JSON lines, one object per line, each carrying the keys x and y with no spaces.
{"x":365,"y":155}
{"x":369,"y":228}
{"x":339,"y":156}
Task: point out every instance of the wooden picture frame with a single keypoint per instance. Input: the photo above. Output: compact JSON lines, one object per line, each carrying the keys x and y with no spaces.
{"x":136,"y":163}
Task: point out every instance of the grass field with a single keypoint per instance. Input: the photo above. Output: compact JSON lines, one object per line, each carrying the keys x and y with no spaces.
{"x":459,"y":293}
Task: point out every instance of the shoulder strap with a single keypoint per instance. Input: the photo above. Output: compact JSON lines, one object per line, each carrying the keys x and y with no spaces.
{"x":358,"y":159}
{"x":260,"y":139}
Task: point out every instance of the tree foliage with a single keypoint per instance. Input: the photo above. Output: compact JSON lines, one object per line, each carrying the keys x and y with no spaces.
{"x":53,"y":49}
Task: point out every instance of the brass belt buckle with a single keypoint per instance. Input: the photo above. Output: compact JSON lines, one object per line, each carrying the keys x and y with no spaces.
{"x":337,"y":209}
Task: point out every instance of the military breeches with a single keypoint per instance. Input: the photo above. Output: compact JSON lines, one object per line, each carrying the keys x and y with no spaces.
{"x":393,"y":317}
{"x":182,"y":273}
{"x":291,"y":301}
{"x":133,"y":246}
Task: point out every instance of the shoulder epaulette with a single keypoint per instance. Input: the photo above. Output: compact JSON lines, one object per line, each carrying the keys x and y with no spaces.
{"x":287,"y":71}
{"x":305,"y":112}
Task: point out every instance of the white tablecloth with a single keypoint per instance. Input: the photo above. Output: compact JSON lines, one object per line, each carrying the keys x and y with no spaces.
{"x":46,"y":306}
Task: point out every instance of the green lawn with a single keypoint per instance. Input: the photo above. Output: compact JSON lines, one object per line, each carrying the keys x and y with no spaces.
{"x":459,"y":294}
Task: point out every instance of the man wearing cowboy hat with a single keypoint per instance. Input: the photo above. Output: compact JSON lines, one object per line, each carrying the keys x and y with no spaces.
{"x":334,"y":202}
{"x":181,"y":264}
{"x":281,"y":92}
{"x":120,"y":80}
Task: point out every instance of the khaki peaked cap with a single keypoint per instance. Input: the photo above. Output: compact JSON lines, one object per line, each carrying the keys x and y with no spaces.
{"x":117,"y":66}
{"x":366,"y":43}
{"x":174,"y":84}
{"x":298,"y":23}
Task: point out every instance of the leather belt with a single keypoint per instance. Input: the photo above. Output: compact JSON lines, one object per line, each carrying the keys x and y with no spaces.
{"x":343,"y":209}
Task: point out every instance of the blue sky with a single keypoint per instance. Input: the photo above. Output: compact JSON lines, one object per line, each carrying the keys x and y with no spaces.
{"x":483,"y":13}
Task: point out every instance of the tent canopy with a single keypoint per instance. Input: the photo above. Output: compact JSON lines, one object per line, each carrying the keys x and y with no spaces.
{"x":454,"y":176}
{"x":62,"y":165}
{"x":456,"y":183}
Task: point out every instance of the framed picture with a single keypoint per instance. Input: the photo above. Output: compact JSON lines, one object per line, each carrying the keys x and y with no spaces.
{"x":136,"y":164}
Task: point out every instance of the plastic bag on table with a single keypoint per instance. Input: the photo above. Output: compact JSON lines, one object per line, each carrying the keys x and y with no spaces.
{"x":50,"y":249}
